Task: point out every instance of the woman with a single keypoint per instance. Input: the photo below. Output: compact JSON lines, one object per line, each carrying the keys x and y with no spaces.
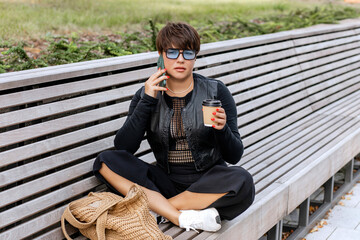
{"x":190,"y":185}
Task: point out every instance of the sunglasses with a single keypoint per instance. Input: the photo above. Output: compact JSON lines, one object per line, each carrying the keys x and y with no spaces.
{"x":173,"y":53}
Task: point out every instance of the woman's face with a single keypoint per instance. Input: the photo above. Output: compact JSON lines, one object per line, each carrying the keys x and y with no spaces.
{"x":179,"y":68}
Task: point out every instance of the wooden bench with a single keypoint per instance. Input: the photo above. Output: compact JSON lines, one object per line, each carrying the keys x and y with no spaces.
{"x":298,"y":101}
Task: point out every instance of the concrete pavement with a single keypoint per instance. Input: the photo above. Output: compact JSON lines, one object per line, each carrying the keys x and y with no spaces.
{"x":342,"y":222}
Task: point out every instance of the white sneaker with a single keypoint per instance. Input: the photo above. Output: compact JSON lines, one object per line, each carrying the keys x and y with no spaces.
{"x":207,"y":220}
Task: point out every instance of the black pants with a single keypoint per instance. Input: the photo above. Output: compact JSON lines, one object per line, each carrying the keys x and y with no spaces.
{"x":236,"y":181}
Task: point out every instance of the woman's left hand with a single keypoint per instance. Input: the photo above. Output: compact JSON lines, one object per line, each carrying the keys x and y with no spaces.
{"x":219,"y":118}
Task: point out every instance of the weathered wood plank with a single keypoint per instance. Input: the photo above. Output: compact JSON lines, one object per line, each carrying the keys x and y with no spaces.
{"x":44,"y":183}
{"x":235,"y":66}
{"x":14,"y":99}
{"x":241,"y":54}
{"x":293,"y":146}
{"x":33,"y":226}
{"x":310,"y":148}
{"x":272,"y":118}
{"x":44,"y":202}
{"x":328,"y":52}
{"x":259,"y":135}
{"x":236,"y":86}
{"x":55,"y":143}
{"x":276,"y":99}
{"x":50,"y":109}
{"x":323,"y":37}
{"x":322,"y":168}
{"x":344,"y":42}
{"x":58,"y":160}
{"x":351,"y":88}
{"x":328,"y":59}
{"x":265,"y":148}
{"x":50,"y":74}
{"x":59,"y":124}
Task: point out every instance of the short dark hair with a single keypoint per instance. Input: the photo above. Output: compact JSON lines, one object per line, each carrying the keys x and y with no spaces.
{"x":180,"y":35}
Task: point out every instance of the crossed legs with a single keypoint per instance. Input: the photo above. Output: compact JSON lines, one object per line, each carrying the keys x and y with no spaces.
{"x":168,"y":208}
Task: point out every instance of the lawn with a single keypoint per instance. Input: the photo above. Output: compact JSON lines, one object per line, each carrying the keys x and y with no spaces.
{"x":24,"y":19}
{"x":38,"y":33}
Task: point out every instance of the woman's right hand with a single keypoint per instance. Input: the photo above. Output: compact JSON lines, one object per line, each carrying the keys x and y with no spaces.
{"x":152,"y":84}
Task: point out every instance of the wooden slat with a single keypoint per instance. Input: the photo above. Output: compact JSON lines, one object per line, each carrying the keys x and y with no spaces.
{"x":42,"y":203}
{"x":57,"y":234}
{"x":230,"y":45}
{"x":39,"y":94}
{"x":262,"y":109}
{"x":45,"y":164}
{"x":336,"y":95}
{"x":306,"y":150}
{"x":33,"y":226}
{"x":50,"y":109}
{"x":249,"y":140}
{"x":328,"y":59}
{"x":280,"y":145}
{"x":235,"y":66}
{"x":323,"y":150}
{"x":321,"y":72}
{"x":273,"y":143}
{"x":272,"y":118}
{"x":331,"y":66}
{"x":55,"y":143}
{"x":54,"y":161}
{"x":323,"y":37}
{"x":242,"y":54}
{"x":286,"y":149}
{"x":257,"y":81}
{"x":328,"y":52}
{"x":49,"y":74}
{"x":41,"y":184}
{"x":37,"y":130}
{"x":346,"y":43}
{"x":332,"y":78}
{"x":324,"y":29}
{"x":186,"y":235}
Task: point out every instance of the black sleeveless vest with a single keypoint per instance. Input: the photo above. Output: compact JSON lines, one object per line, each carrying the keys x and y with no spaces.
{"x":201,"y":139}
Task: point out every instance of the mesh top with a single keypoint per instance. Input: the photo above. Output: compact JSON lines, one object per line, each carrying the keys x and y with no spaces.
{"x":179,"y":151}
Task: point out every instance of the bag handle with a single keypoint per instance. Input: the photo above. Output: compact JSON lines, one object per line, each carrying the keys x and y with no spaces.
{"x":68,"y":216}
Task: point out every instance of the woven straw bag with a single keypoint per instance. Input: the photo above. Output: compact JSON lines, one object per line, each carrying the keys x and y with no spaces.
{"x":108,"y":216}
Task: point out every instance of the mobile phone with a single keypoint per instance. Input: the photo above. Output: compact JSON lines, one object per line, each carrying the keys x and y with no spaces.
{"x":160,"y":64}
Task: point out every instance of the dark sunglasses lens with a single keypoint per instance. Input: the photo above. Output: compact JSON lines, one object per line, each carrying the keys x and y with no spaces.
{"x":172,"y":53}
{"x":189,"y":54}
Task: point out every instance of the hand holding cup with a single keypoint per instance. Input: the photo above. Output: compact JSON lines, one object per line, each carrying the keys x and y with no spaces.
{"x":213,"y":115}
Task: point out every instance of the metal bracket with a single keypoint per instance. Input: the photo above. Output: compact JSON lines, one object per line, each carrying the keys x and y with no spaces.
{"x":275,"y":233}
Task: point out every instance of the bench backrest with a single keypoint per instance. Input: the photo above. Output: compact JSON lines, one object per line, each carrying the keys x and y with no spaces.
{"x":54,"y":121}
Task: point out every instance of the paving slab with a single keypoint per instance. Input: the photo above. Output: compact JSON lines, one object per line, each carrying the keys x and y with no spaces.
{"x":342,"y":222}
{"x":321,"y":234}
{"x":344,"y":234}
{"x":344,"y":217}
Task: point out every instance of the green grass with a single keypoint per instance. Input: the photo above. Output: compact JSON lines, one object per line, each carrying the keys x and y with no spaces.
{"x":35,"y":18}
{"x":79,"y":30}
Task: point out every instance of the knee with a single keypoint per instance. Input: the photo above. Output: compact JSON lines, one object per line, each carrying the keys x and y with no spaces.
{"x":246,"y":176}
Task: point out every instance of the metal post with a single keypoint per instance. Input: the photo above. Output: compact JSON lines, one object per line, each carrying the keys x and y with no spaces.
{"x":349,"y":167}
{"x":275,"y":233}
{"x":304,"y":213}
{"x":329,"y":190}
